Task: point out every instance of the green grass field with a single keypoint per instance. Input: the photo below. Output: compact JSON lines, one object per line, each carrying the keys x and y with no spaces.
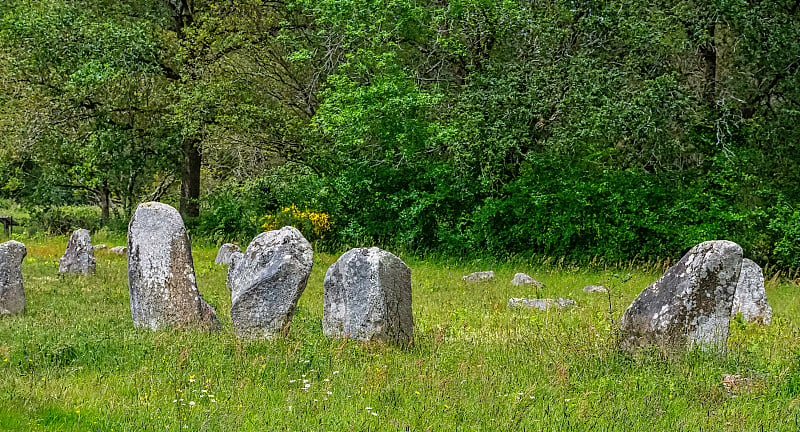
{"x":75,"y":362}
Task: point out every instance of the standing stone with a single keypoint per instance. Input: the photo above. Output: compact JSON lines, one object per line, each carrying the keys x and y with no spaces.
{"x":79,"y":256}
{"x":225,"y":252}
{"x":523,"y":279}
{"x":12,"y":294}
{"x":161,"y":278}
{"x":477,"y":277}
{"x":267,"y":281}
{"x":751,"y":298}
{"x":368,"y":297}
{"x":690,"y":304}
{"x":234,"y":258}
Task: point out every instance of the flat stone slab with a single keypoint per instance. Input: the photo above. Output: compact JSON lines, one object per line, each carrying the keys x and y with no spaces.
{"x":119,"y":250}
{"x":368,"y":297}
{"x":266,"y":282}
{"x":595,"y":289}
{"x":540,"y":304}
{"x":12,"y":292}
{"x":521,"y":279}
{"x":478,"y":277}
{"x":690,"y":305}
{"x":79,"y":256}
{"x":751,"y":297}
{"x":163,"y":289}
{"x":225,"y":253}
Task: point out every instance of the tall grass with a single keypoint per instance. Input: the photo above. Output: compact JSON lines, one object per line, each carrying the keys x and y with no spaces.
{"x":75,"y":362}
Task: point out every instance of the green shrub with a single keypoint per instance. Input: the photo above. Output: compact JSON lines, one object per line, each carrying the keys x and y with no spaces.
{"x":227,"y":216}
{"x":63,"y":219}
{"x":785,"y":225}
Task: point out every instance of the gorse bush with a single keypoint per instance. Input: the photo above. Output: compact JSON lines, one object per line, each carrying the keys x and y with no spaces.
{"x":313,"y":225}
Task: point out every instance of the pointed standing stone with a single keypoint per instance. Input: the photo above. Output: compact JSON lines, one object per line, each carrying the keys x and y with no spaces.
{"x":267,"y":281}
{"x":225,"y":253}
{"x":12,"y":293}
{"x":690,"y":304}
{"x":368,"y":297}
{"x":161,"y":279}
{"x":79,"y":256}
{"x":751,"y":298}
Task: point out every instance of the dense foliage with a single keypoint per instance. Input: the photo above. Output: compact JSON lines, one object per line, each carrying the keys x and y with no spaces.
{"x":582,"y":128}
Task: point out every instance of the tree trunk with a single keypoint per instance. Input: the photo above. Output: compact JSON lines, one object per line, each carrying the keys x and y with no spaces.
{"x":709,"y":54}
{"x":190,"y":179}
{"x":105,"y":202}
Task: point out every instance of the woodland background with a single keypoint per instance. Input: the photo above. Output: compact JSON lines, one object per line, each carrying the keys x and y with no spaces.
{"x":616,"y":129}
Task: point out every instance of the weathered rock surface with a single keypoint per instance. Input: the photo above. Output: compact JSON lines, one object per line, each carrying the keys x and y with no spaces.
{"x":267,"y":281}
{"x":368,"y":297}
{"x":12,"y":293}
{"x":690,"y":305}
{"x":161,"y":277}
{"x":225,"y":253}
{"x":751,"y":298}
{"x":235,"y":258}
{"x":523,"y":279}
{"x":595,"y":289}
{"x":477,"y":277}
{"x":119,"y":250}
{"x":540,"y":304}
{"x":97,"y":247}
{"x":79,"y":256}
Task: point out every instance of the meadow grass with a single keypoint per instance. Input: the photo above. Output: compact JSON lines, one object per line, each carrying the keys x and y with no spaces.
{"x":74,"y":360}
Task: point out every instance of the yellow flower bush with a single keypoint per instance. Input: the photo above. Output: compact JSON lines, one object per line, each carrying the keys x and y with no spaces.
{"x":312,"y":224}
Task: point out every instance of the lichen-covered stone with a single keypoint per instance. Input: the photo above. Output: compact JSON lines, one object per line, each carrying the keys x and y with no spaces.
{"x":225,"y":253}
{"x":79,"y":256}
{"x":751,"y":298}
{"x":368,"y":297}
{"x":477,"y":277}
{"x":521,"y":279}
{"x":100,"y":246}
{"x":690,"y":305}
{"x":540,"y":304}
{"x":161,"y":279}
{"x":12,"y":292}
{"x":267,"y":281}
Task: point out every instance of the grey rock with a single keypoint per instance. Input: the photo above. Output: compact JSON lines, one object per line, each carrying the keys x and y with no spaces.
{"x":751,"y":298}
{"x":368,"y":297}
{"x":267,"y":281}
{"x":540,"y":304}
{"x":478,"y":277}
{"x":234,"y":259}
{"x":161,"y":280}
{"x":79,"y":256}
{"x":119,"y":250}
{"x":225,"y":253}
{"x":97,"y":247}
{"x":595,"y":289}
{"x":690,"y":305}
{"x":523,"y":279}
{"x":12,"y":292}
